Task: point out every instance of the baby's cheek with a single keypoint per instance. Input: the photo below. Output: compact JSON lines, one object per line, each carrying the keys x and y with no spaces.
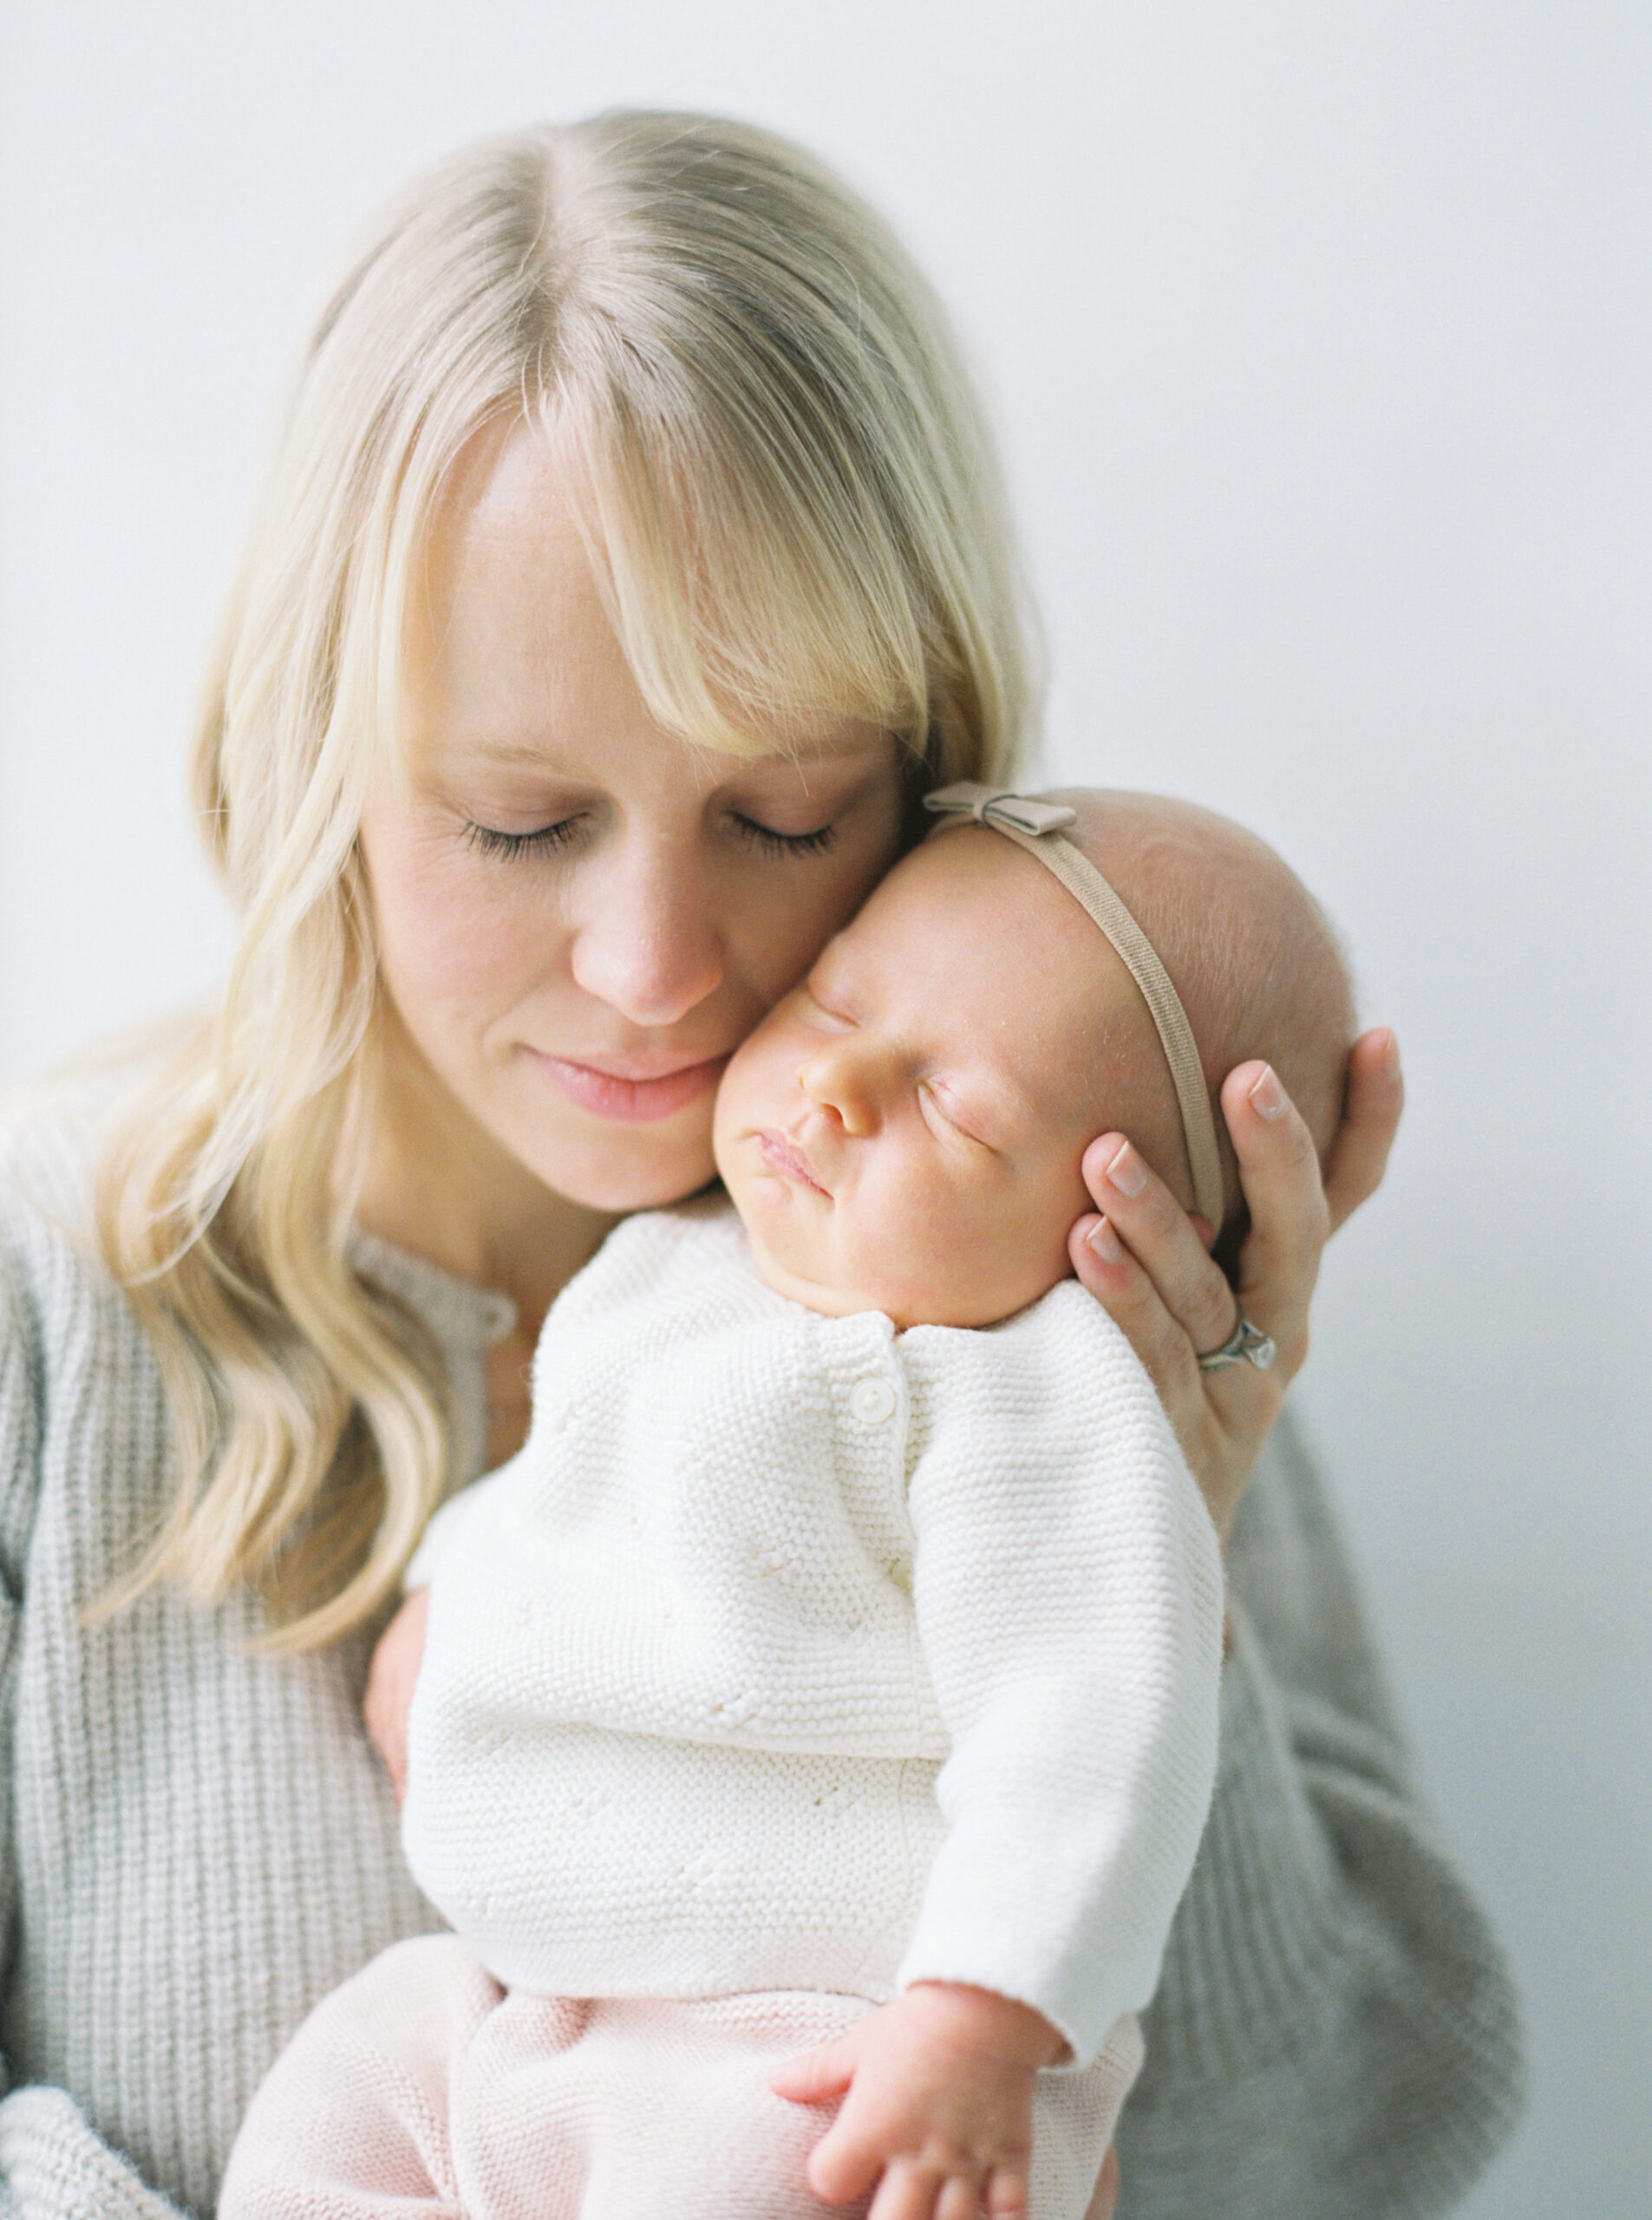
{"x":949,"y":1262}
{"x":1019,"y":1245}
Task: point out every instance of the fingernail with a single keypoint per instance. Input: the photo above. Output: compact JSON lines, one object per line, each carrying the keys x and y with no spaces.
{"x":1267,"y":1096}
{"x":1105,"y":1242}
{"x":1391,"y":1056}
{"x":1127,"y":1172}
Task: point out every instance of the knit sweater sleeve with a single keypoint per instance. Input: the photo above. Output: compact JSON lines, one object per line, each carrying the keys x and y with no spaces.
{"x":1067,"y":1592}
{"x":1335,"y":2036}
{"x":52,"y":2164}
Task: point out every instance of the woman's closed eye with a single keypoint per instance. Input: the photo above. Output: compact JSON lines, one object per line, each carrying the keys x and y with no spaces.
{"x":769,"y":842}
{"x":542,"y":839}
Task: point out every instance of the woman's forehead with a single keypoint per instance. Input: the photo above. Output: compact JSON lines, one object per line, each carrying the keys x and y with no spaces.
{"x":523,"y":607}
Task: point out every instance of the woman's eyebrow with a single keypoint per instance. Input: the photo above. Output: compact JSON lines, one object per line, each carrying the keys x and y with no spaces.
{"x":853,"y":757}
{"x":514,"y":754}
{"x":445,"y":749}
{"x":837,"y":751}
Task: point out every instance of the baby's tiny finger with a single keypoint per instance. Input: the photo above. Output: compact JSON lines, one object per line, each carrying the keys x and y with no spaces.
{"x":814,"y":2075}
{"x":842,"y":2164}
{"x":960,"y":2199}
{"x":906,"y":2192}
{"x":1006,"y":2196}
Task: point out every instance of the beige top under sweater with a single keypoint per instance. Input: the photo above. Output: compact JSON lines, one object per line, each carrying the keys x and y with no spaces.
{"x":196,"y":1844}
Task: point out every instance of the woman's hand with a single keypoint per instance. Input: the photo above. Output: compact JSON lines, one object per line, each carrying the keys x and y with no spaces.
{"x":1144,"y":1260}
{"x":389,"y":1687}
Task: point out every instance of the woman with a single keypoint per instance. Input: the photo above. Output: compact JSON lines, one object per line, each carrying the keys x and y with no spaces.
{"x":632,"y":561}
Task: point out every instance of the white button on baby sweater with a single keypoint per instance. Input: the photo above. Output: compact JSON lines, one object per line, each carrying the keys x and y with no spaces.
{"x":872,"y":1401}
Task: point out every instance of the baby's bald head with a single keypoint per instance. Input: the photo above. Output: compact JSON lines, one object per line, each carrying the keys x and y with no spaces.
{"x":905,"y":1131}
{"x":1249,"y":950}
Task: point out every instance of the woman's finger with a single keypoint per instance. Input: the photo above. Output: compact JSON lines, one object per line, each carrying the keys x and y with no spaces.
{"x":1220,"y":1418}
{"x":1279,"y":1173}
{"x":1376,"y":1095}
{"x":1150,"y":1222}
{"x":1106,"y":1268}
{"x":1144,"y":1260}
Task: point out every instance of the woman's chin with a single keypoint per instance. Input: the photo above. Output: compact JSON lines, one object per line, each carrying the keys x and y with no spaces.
{"x":619,"y":1177}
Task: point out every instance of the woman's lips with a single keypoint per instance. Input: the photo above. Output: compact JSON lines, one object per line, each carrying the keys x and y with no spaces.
{"x":634,"y":1098}
{"x":786,"y":1157}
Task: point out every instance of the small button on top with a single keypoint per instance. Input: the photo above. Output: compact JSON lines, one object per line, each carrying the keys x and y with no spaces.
{"x":872,"y":1401}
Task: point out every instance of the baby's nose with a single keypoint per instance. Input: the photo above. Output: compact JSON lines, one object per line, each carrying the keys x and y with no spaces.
{"x":838,"y":1081}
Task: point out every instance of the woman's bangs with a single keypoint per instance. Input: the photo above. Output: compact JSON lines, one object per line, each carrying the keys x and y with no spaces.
{"x":748,"y":625}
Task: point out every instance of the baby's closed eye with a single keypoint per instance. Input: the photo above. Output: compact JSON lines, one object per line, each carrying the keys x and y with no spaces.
{"x":951,"y":1115}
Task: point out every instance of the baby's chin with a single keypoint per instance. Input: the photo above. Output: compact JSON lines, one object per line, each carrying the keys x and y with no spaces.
{"x":800,"y":1281}
{"x":805,"y":1271}
{"x":940,"y":1300}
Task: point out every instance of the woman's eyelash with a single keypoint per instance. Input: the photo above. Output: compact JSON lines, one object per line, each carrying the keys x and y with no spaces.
{"x":784,"y":844}
{"x":488,"y":841}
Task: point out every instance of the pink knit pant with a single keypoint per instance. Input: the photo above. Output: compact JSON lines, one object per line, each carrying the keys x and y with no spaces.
{"x":421,"y":2090}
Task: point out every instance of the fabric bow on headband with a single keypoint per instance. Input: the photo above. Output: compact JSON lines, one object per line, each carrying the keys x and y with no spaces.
{"x":1039,"y":828}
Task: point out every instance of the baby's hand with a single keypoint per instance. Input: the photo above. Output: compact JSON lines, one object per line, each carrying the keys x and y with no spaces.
{"x":389,"y":1687}
{"x":939,"y":2101}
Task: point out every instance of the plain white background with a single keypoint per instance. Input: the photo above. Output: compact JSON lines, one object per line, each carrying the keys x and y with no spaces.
{"x":1319,"y":337}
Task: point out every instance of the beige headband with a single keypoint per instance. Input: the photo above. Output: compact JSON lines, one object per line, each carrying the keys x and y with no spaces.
{"x":1038,"y":827}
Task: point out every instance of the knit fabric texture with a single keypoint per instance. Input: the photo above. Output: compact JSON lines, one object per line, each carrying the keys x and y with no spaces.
{"x":796,"y":1652}
{"x":197,"y":1843}
{"x":421,"y":2085}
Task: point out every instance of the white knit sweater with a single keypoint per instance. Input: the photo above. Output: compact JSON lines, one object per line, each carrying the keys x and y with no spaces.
{"x":795,"y":1652}
{"x":196,"y":1842}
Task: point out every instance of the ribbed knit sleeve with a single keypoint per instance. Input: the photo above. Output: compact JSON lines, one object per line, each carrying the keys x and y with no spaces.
{"x":1335,"y":2035}
{"x":52,"y":2165}
{"x":1068,"y":1589}
{"x":196,"y":1842}
{"x":19,"y":1482}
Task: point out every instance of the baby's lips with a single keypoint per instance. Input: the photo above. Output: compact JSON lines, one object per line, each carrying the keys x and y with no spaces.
{"x":783,"y":1155}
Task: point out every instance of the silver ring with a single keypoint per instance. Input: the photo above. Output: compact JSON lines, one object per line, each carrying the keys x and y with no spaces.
{"x":1246,"y":1344}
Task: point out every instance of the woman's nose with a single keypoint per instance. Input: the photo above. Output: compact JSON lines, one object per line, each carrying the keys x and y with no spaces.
{"x":839,"y":1079}
{"x":651,"y":944}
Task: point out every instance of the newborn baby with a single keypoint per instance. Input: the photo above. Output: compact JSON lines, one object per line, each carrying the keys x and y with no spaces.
{"x":826,"y":1675}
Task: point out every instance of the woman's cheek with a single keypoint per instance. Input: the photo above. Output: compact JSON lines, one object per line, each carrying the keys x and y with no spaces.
{"x":448,"y":940}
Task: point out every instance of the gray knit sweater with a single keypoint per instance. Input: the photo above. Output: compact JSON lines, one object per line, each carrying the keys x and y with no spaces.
{"x":197,"y":1841}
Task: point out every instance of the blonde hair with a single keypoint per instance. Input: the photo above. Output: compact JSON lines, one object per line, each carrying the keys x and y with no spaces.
{"x":792,"y":507}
